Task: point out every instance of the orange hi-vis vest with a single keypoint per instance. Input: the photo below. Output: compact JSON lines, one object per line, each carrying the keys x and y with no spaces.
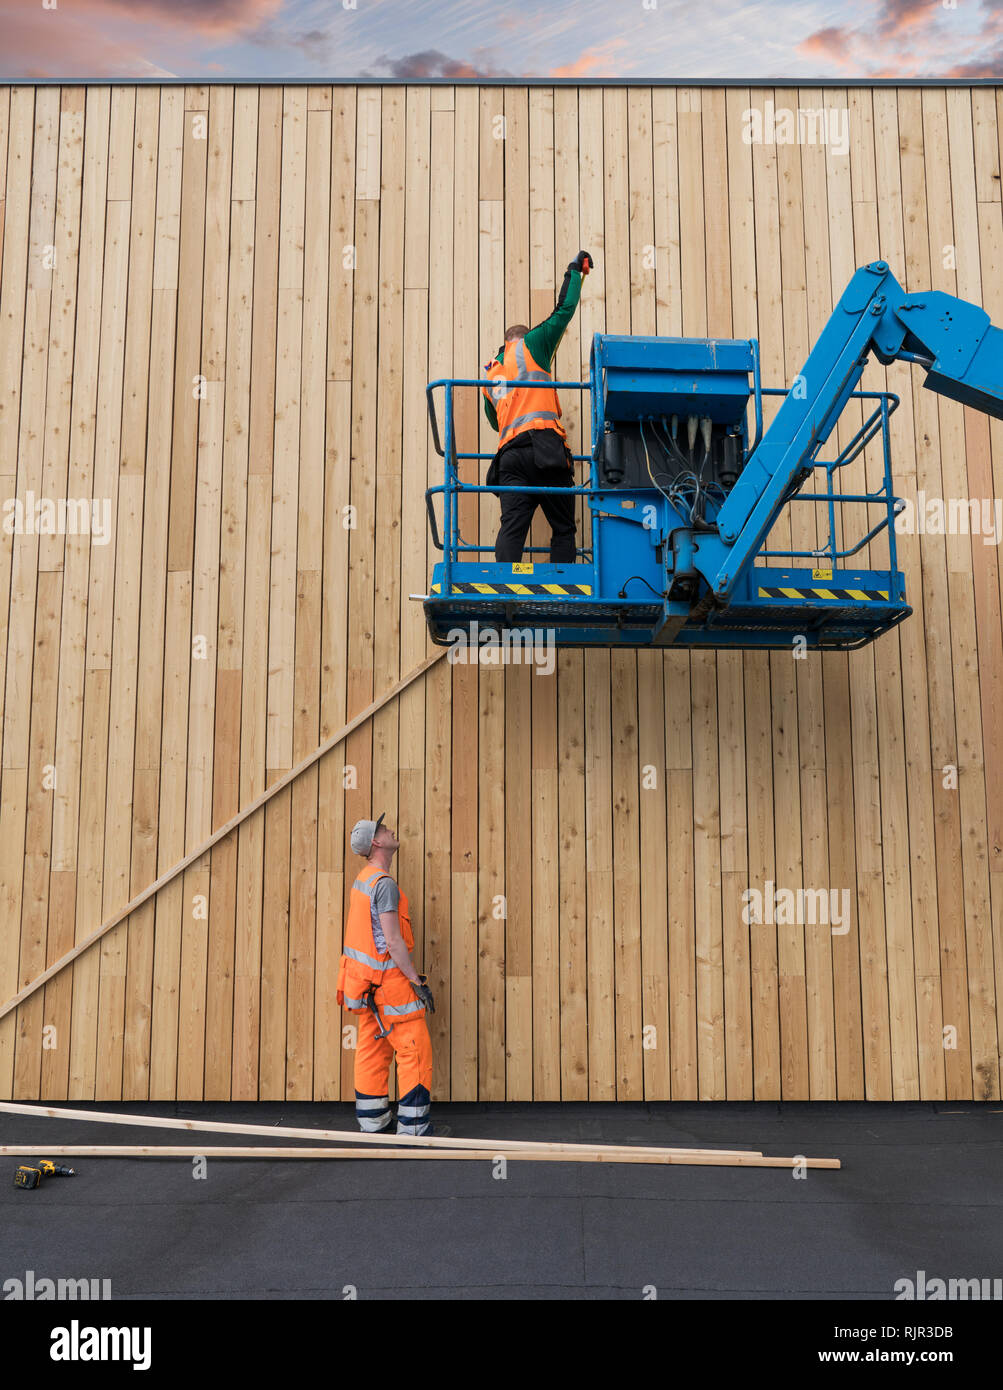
{"x":361,"y":964}
{"x":518,"y":405}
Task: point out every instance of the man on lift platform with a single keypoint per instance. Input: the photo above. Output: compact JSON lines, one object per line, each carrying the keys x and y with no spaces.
{"x":532,"y":445}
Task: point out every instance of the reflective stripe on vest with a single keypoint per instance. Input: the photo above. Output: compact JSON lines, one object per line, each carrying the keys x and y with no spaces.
{"x":510,"y":392}
{"x":525,"y":372}
{"x":398,"y":1010}
{"x":366,"y":886}
{"x":371,"y":961}
{"x":360,"y":956}
{"x":522,"y":420}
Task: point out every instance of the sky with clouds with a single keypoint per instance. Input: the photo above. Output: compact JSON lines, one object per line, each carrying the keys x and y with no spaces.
{"x":396,"y":39}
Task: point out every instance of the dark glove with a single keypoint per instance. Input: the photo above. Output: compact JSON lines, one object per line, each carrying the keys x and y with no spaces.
{"x":583,"y":263}
{"x":423,"y":992}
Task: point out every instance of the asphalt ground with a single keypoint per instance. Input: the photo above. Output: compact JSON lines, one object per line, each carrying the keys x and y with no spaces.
{"x":919,"y":1197}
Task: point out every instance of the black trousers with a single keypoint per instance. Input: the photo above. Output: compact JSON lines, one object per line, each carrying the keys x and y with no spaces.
{"x":535,"y":458}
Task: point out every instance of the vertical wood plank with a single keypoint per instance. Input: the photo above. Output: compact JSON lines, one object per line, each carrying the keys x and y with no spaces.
{"x":457,"y":1073}
{"x":228,"y":355}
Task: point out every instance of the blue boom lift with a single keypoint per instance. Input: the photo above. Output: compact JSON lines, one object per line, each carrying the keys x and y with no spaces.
{"x":681,"y":502}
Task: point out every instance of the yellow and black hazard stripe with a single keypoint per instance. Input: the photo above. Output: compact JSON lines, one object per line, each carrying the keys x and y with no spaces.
{"x":840,"y":595}
{"x":525,"y":590}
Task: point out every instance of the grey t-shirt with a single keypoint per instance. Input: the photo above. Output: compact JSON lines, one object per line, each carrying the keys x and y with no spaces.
{"x":385,"y":897}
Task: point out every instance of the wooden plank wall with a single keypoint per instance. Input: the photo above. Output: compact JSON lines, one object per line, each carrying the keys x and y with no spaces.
{"x":219,"y":308}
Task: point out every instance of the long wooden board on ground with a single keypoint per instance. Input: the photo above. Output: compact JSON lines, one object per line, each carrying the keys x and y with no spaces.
{"x":681,"y":1158}
{"x":344,"y":1136}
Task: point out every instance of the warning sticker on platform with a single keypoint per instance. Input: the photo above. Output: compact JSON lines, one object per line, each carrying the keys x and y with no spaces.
{"x":821,"y":574}
{"x":522,"y":569}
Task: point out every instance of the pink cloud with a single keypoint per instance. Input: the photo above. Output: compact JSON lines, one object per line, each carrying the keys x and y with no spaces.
{"x":909,"y":38}
{"x":832,"y":44}
{"x":44,"y":44}
{"x":594,"y":62}
{"x":990,"y":66}
{"x":219,"y":18}
{"x":902,"y":16}
{"x":109,"y":38}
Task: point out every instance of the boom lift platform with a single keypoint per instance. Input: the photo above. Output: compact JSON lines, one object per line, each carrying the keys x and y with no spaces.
{"x":681,"y":503}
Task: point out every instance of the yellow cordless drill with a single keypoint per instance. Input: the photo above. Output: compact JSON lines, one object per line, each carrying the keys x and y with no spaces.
{"x":30,"y":1175}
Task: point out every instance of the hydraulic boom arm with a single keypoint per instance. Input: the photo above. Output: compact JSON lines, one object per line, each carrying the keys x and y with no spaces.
{"x":952,"y":339}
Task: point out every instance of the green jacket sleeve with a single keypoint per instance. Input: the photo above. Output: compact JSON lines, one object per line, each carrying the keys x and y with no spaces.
{"x":544,"y":340}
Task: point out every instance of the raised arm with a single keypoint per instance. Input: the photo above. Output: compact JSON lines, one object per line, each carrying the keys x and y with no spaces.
{"x":544,"y":340}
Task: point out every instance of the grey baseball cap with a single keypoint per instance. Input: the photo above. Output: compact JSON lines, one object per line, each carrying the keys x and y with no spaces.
{"x":364,"y":832}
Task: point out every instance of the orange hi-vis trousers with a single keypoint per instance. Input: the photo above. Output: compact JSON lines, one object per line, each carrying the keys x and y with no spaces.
{"x":409,"y":1041}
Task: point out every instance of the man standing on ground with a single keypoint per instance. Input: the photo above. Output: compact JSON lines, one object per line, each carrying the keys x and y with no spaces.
{"x":532,"y":445}
{"x":378,"y":981}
